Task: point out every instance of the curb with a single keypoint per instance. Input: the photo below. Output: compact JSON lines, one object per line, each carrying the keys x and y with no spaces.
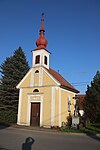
{"x":49,"y":130}
{"x":35,"y":128}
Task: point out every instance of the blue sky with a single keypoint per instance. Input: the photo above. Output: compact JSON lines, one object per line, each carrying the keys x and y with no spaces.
{"x":72,"y":30}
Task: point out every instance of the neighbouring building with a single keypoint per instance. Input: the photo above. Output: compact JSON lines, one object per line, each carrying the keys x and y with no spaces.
{"x":79,"y":103}
{"x":45,"y":97}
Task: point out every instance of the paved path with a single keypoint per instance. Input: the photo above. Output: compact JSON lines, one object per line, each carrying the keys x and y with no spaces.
{"x":23,"y":139}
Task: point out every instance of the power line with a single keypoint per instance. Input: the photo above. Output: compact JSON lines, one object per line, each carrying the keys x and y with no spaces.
{"x":80,"y":83}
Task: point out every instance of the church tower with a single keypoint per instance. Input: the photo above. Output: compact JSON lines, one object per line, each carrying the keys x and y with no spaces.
{"x":41,"y":54}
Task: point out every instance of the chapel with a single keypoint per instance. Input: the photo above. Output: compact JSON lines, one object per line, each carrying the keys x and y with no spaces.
{"x":45,"y":97}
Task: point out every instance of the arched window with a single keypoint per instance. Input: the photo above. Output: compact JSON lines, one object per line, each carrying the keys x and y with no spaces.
{"x":36,"y":90}
{"x":37,"y":59}
{"x":45,"y":60}
{"x":37,"y":71}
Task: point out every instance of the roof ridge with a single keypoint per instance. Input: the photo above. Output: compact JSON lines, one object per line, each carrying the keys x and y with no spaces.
{"x":64,"y":83}
{"x":62,"y":77}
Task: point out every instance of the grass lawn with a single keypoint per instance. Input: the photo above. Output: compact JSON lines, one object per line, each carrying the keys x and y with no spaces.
{"x":92,"y":129}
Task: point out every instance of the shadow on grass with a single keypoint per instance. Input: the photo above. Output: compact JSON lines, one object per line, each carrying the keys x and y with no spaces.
{"x":94,"y":136}
{"x":93,"y":132}
{"x":88,"y":131}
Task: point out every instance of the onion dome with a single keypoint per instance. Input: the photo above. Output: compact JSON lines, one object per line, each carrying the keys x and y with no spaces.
{"x":41,"y":41}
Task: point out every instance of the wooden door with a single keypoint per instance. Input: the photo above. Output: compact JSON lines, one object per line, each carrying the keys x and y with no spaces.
{"x":35,"y":114}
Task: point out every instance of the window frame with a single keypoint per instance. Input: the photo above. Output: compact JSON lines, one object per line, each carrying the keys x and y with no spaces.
{"x":45,"y":60}
{"x":37,"y":59}
{"x":35,"y":90}
{"x":36,"y":71}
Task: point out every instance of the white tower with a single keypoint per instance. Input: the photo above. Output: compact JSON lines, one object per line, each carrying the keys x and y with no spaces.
{"x":41,"y":54}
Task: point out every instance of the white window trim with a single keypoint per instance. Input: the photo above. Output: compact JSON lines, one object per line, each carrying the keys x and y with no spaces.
{"x":29,"y":106}
{"x":42,"y":53}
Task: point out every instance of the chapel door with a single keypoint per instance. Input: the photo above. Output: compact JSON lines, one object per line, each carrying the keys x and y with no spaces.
{"x":35,"y":114}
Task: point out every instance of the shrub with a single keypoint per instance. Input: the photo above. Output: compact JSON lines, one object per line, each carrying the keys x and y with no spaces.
{"x":69,"y":121}
{"x":7,"y":117}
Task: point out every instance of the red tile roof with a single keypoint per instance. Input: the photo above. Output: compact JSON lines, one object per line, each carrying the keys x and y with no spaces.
{"x":64,"y":84}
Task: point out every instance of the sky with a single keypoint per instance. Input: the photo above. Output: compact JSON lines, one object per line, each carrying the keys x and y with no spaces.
{"x":72,"y":28}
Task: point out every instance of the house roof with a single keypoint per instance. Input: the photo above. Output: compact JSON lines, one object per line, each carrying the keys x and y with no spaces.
{"x":64,"y":84}
{"x":80,"y":100}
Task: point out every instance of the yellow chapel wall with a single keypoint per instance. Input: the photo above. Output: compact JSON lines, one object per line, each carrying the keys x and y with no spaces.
{"x":24,"y":103}
{"x":46,"y":115}
{"x":56,"y":111}
{"x":47,"y":100}
{"x":46,"y":106}
{"x":46,"y":90}
{"x":33,"y":79}
{"x":25,"y":82}
{"x":44,"y":76}
{"x":36,"y":76}
{"x":64,"y":104}
{"x":47,"y":80}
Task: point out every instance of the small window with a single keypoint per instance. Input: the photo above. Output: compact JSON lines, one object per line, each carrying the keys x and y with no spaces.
{"x":36,"y":90}
{"x":37,"y":71}
{"x":37,"y":60}
{"x":45,"y":60}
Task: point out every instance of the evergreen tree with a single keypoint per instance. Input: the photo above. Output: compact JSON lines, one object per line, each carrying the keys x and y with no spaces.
{"x":13,"y":70}
{"x":92,"y":100}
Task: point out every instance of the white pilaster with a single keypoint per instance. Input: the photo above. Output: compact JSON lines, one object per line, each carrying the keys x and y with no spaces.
{"x":32,"y":78}
{"x":40,"y":76}
{"x":52,"y":106}
{"x":59,"y":107}
{"x":19,"y":107}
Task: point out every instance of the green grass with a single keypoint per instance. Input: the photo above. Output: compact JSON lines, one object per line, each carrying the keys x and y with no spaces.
{"x":93,"y":129}
{"x":71,"y":130}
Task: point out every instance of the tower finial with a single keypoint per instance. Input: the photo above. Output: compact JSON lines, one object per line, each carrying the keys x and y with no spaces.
{"x":41,"y":41}
{"x":42,"y":26}
{"x":42,"y":15}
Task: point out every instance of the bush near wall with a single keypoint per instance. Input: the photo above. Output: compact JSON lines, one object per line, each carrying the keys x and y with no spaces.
{"x":7,"y":117}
